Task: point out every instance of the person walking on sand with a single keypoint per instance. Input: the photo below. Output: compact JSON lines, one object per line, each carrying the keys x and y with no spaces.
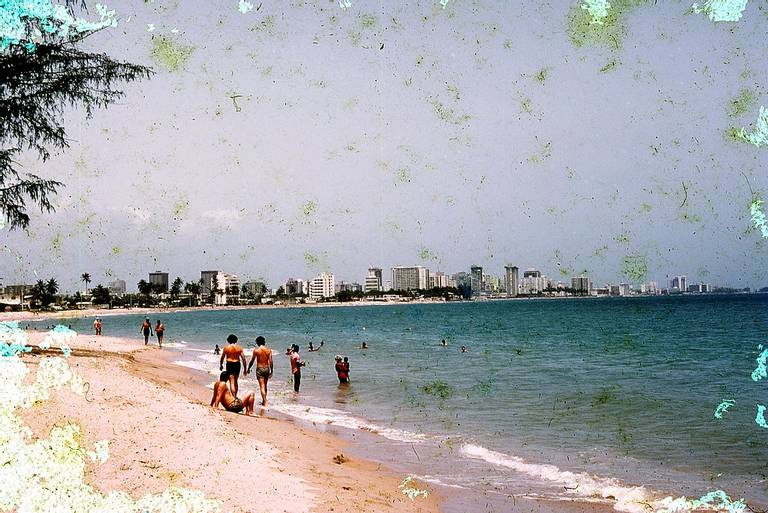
{"x":296,"y":365}
{"x":234,"y":355}
{"x":97,"y":326}
{"x":146,"y":329}
{"x":159,"y":331}
{"x":262,"y":355}
{"x":222,"y":395}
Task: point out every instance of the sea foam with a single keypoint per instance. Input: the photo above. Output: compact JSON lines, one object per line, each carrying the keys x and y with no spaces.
{"x":631,"y":499}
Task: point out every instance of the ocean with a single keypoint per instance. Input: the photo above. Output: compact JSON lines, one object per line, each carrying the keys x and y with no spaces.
{"x":608,"y":400}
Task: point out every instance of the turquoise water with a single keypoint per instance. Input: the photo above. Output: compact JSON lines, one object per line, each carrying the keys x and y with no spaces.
{"x":621,"y":389}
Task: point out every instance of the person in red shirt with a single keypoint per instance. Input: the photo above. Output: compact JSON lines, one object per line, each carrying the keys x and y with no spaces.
{"x":342,"y":369}
{"x":296,"y":365}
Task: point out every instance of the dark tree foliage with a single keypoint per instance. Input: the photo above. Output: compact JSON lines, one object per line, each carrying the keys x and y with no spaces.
{"x":35,"y":89}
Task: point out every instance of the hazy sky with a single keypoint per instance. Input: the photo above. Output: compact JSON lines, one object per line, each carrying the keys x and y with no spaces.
{"x":402,"y":133}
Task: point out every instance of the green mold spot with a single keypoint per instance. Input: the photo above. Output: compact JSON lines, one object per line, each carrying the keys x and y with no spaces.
{"x":507,"y":44}
{"x":116,"y":250}
{"x":310,"y":259}
{"x":645,"y":208}
{"x":309,"y":208}
{"x":169,"y":53}
{"x":622,"y":238}
{"x":266,"y":26}
{"x":543,"y":154}
{"x":56,"y":242}
{"x":690,"y":218}
{"x":542,"y":75}
{"x":355,"y":38}
{"x":439,"y":389}
{"x":609,"y":66}
{"x":180,"y":208}
{"x":634,"y":267}
{"x":609,"y":32}
{"x":368,"y":20}
{"x":742,"y":103}
{"x":426,"y":254}
{"x":454,"y":91}
{"x":605,"y":396}
{"x":448,"y":115}
{"x":525,"y":106}
{"x":403,"y":174}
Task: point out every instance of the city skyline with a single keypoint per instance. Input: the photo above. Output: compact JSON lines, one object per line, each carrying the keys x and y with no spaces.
{"x":163,"y":278}
{"x":312,"y":138}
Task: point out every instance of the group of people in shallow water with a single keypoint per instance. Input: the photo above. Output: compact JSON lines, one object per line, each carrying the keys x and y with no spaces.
{"x":233,"y":362}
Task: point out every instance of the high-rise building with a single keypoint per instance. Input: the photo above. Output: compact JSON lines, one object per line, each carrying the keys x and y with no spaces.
{"x":116,"y":287}
{"x":229,"y":285}
{"x":293,"y":287}
{"x":439,"y":280}
{"x":533,"y":281}
{"x":462,"y":279}
{"x":581,"y":284}
{"x":373,"y":280}
{"x":256,"y":288}
{"x":678,"y":284}
{"x":159,"y":281}
{"x":206,"y":282}
{"x":410,"y":278}
{"x":476,"y":280}
{"x":323,"y":285}
{"x":624,"y":289}
{"x":699,"y":288}
{"x":491,"y":283}
{"x":387,"y":285}
{"x":510,"y":280}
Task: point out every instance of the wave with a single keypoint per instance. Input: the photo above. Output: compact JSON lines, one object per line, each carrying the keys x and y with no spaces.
{"x":340,"y":418}
{"x":630,"y":499}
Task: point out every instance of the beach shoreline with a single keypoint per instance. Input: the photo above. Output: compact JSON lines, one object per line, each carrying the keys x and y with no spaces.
{"x":163,"y":433}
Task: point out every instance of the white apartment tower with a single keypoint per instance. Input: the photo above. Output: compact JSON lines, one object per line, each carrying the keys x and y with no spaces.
{"x":322,"y":286}
{"x":373,"y":280}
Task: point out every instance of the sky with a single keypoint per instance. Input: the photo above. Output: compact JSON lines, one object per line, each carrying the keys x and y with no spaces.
{"x":305,"y":137}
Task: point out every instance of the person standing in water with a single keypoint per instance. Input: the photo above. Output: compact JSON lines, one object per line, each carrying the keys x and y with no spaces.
{"x":216,"y":349}
{"x":146,"y":329}
{"x":342,"y":372}
{"x":160,"y":331}
{"x":234,"y":355}
{"x":97,"y":326}
{"x":296,"y":365}
{"x":262,"y":355}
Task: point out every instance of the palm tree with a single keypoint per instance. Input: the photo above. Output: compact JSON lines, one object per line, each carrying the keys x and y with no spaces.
{"x":87,"y":279}
{"x":144,"y":287}
{"x":52,"y":287}
{"x":193,"y":288}
{"x":176,"y":287}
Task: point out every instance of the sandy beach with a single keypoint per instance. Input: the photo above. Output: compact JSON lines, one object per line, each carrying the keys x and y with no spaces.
{"x":163,"y":433}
